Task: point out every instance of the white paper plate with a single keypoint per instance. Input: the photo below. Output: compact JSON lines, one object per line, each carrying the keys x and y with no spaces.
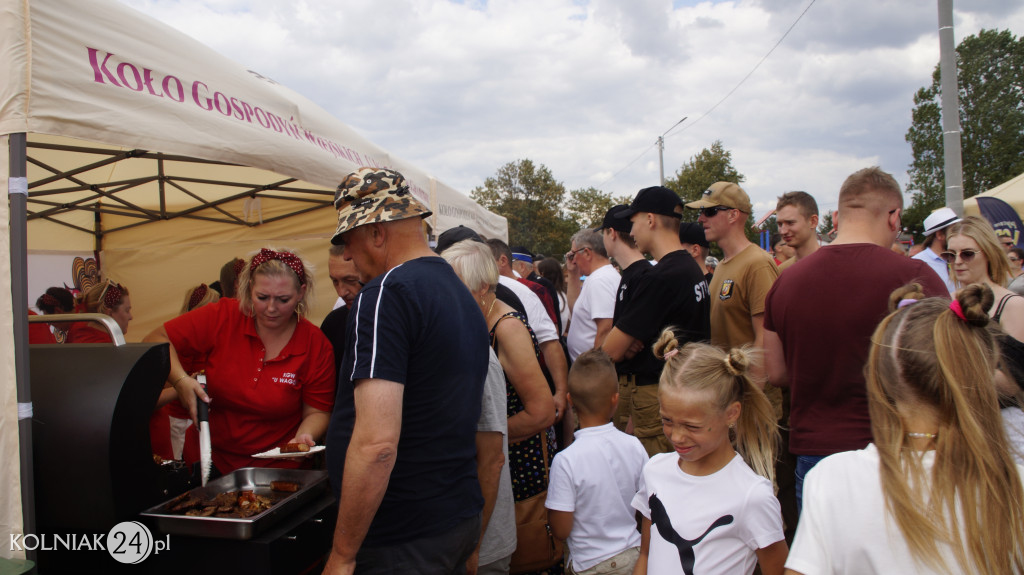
{"x":275,"y":453}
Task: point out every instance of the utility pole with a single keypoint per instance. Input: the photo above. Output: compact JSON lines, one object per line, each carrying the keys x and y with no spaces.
{"x":952,"y":162}
{"x":661,"y":149}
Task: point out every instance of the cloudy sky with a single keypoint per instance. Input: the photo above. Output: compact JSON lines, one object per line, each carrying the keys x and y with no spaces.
{"x":585,"y":87}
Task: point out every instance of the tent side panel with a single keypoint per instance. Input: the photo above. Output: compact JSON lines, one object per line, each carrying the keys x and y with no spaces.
{"x":10,"y":471}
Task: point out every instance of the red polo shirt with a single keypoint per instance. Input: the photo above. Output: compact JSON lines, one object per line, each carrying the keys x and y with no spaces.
{"x":256,"y":402}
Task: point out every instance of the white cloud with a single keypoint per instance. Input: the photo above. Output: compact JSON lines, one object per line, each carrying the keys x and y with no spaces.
{"x":585,"y":87}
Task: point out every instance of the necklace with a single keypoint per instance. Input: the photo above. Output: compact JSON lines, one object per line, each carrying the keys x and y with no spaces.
{"x":922,"y":435}
{"x":488,"y":314}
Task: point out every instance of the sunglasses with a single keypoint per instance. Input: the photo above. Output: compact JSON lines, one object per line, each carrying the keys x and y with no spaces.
{"x":1014,"y":259}
{"x":965,"y":256}
{"x":710,"y":212}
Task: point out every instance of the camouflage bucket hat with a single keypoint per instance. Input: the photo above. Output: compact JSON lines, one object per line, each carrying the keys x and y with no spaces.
{"x":371,"y":195}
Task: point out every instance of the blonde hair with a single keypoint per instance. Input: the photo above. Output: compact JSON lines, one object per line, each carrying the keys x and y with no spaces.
{"x":925,"y":356}
{"x":91,"y":300}
{"x":699,"y":366}
{"x":274,"y":268}
{"x":979,"y":230}
{"x":210,"y":296}
{"x":474,"y":263}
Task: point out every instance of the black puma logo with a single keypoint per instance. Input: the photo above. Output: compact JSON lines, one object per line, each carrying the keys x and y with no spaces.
{"x":686,"y":556}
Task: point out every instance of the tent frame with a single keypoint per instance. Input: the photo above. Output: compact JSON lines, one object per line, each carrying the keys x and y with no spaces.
{"x":45,"y":202}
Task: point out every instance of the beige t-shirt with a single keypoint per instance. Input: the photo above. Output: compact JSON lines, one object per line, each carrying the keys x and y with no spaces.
{"x":738,"y":290}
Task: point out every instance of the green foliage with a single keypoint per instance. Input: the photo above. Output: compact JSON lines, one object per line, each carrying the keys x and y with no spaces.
{"x":588,"y":206}
{"x":540,"y":216}
{"x":990,"y":69}
{"x":710,"y":165}
{"x":825,"y":226}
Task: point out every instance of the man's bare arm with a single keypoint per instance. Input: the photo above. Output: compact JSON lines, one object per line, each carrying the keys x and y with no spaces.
{"x":368,"y":464}
{"x":621,"y":346}
{"x":775,"y":359}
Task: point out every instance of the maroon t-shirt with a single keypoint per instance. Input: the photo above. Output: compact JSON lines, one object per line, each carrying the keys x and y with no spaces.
{"x":824,"y":309}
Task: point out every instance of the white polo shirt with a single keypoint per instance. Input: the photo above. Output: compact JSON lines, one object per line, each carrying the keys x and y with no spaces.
{"x":596,"y":478}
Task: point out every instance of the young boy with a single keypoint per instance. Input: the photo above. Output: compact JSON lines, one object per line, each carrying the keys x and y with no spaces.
{"x":594,"y":480}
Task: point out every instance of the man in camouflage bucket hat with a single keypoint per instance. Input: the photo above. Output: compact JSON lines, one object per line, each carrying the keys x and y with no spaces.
{"x":401,"y":451}
{"x":371,"y":195}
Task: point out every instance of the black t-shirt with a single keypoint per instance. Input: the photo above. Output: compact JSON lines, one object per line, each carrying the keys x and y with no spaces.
{"x":333,"y":327}
{"x":509,"y":298}
{"x":418,"y":325}
{"x":672,"y":293}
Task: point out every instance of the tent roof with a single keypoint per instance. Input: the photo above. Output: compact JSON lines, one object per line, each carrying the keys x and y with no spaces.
{"x":1011,"y":192}
{"x":135,"y":122}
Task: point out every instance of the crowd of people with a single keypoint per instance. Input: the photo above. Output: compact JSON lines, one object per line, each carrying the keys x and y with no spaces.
{"x":836,"y":408}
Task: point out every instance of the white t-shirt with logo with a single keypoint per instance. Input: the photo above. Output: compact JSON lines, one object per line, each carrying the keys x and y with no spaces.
{"x":711,"y":524}
{"x":596,"y":301}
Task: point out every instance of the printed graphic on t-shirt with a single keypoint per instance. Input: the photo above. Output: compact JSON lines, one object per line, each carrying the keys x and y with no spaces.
{"x":726,"y":291}
{"x":687,"y":557}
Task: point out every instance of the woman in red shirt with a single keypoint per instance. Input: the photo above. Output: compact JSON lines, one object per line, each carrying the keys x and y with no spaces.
{"x":108,"y":298}
{"x":269,"y":371}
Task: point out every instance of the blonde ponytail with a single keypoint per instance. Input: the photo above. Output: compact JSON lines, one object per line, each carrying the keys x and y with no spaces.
{"x":726,"y":376}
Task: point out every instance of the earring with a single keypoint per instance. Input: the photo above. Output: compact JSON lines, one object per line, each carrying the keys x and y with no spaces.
{"x":732,"y":425}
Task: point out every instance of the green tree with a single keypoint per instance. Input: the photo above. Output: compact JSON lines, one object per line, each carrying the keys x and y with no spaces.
{"x":587,"y":206}
{"x":710,"y":165}
{"x":530,"y":199}
{"x":824,"y":228}
{"x":990,"y":68}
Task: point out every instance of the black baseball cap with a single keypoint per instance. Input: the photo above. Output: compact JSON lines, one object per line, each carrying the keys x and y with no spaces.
{"x":654,"y":200}
{"x":452,"y":236}
{"x":612,"y":221}
{"x":691,"y":233}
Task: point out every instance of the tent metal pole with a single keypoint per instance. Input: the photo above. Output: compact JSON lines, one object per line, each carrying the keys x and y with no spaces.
{"x":17,"y":189}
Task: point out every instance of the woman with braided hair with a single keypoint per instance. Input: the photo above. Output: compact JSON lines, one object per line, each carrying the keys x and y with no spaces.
{"x":937,"y":491}
{"x":269,"y":371}
{"x":108,"y":298}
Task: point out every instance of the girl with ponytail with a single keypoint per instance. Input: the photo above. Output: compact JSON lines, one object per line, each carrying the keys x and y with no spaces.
{"x":710,"y":507}
{"x":937,"y":491}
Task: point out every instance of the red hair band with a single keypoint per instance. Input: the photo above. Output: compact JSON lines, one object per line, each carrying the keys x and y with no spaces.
{"x":288,"y":259}
{"x":111,"y":295}
{"x":959,"y":311}
{"x":197,"y":296}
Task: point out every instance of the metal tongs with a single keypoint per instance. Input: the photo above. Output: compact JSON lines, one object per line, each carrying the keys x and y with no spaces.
{"x":205,"y":450}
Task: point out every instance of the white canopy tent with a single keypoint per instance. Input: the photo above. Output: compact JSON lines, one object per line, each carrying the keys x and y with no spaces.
{"x":127,"y":137}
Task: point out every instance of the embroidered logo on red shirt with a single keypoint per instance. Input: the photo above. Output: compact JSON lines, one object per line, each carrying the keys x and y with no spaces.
{"x":289,"y":378}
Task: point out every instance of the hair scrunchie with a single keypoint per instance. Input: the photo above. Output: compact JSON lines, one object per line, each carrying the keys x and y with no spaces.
{"x":959,"y":311}
{"x":288,"y":259}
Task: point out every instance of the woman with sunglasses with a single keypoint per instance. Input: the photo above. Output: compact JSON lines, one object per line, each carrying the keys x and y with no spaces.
{"x":109,"y":298}
{"x":976,"y":256}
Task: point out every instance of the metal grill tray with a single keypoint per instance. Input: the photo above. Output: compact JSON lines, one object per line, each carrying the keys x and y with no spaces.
{"x":257,"y":479}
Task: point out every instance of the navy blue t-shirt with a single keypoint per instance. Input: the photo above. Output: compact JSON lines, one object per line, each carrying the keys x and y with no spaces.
{"x":419,"y":326}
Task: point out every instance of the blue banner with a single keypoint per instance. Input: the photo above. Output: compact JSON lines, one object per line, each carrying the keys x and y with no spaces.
{"x":1002,"y":217}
